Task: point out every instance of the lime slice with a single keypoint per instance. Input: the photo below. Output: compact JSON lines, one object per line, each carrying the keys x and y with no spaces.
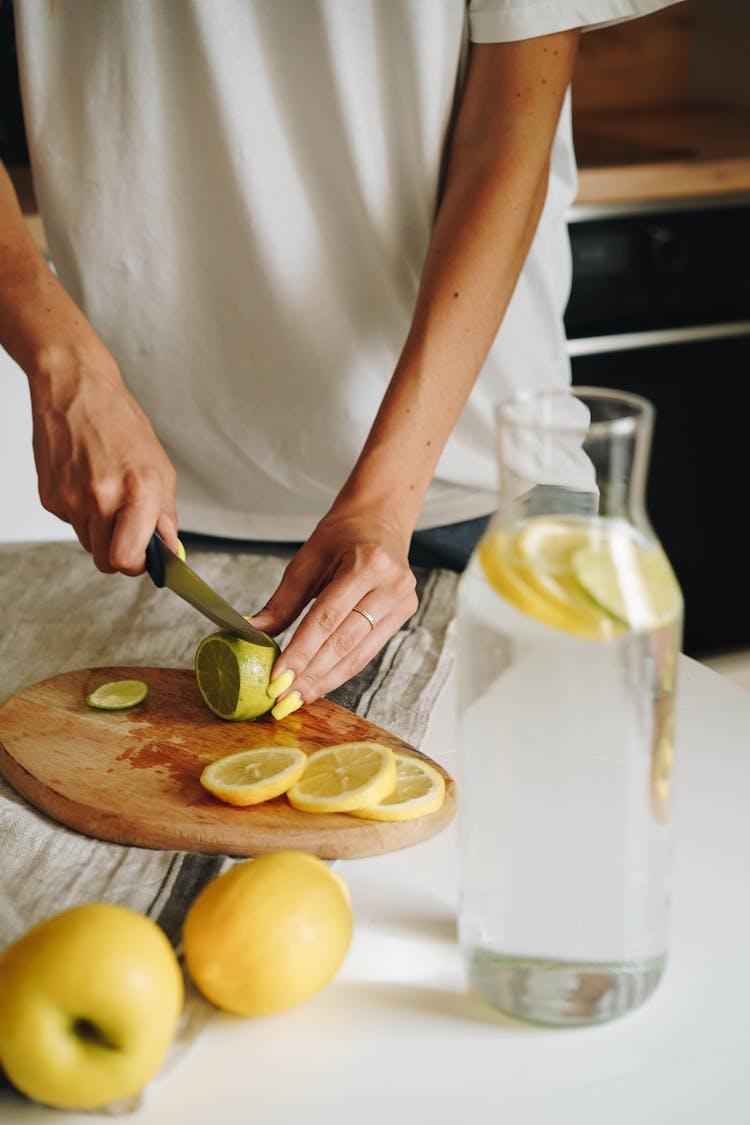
{"x":117,"y":695}
{"x":634,"y":583}
{"x":252,"y":776}
{"x":233,"y":675}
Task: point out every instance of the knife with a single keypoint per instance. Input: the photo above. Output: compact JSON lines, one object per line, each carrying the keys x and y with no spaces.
{"x":166,"y":569}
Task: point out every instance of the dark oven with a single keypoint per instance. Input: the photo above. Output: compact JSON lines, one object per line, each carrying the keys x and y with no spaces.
{"x":660,"y":305}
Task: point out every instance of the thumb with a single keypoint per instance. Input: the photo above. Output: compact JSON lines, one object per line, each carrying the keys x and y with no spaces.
{"x":167,"y":528}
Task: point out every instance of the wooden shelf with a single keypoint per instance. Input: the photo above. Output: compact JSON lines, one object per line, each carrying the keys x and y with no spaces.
{"x":641,"y":155}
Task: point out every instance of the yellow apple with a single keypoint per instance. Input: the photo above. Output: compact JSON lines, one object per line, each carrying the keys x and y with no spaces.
{"x":89,"y":1004}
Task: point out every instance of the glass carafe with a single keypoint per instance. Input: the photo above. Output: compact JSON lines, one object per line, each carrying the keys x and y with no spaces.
{"x":570,"y":624}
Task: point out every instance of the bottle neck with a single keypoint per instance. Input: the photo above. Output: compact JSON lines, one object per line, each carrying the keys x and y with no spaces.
{"x":575,"y":454}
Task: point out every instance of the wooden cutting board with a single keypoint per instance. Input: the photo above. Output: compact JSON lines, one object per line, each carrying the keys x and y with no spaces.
{"x":132,"y":777}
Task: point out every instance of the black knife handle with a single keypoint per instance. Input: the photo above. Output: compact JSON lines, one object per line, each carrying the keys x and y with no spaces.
{"x":154,"y":561}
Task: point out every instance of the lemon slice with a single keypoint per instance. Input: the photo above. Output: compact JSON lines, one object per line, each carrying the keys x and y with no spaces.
{"x":117,"y":695}
{"x":531,"y":574}
{"x":632,"y":582}
{"x":419,"y":790}
{"x":546,"y":548}
{"x":233,"y":675}
{"x":256,"y":775}
{"x":346,"y":776}
{"x":552,"y":542}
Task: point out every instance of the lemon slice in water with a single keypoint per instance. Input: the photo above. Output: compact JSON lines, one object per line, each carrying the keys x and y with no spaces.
{"x":346,"y":776}
{"x":117,"y":695}
{"x":419,"y":790}
{"x":255,"y":775}
{"x":634,"y":583}
{"x":531,"y":568}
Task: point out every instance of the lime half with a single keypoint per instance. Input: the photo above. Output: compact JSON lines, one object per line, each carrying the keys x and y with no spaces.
{"x":233,"y":675}
{"x":117,"y":695}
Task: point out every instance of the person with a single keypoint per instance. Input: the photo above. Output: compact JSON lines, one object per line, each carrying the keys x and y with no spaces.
{"x":301,"y":250}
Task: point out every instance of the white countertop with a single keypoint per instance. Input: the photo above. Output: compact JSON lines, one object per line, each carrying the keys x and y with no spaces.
{"x":397,"y":1037}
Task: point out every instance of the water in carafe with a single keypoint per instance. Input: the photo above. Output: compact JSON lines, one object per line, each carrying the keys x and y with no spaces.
{"x":570,"y":620}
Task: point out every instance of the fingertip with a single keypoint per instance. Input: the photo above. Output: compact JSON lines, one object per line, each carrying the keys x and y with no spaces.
{"x":133,"y":529}
{"x":266,"y":621}
{"x":287,"y":705}
{"x":167,"y":528}
{"x":104,"y":567}
{"x":280,"y":684}
{"x":130,"y":570}
{"x":128,"y":559}
{"x":261,"y":616}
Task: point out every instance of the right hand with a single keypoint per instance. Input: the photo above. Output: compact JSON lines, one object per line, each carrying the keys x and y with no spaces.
{"x":100,"y":465}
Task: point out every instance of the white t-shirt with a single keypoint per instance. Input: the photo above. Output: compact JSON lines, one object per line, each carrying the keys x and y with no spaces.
{"x":239,"y":195}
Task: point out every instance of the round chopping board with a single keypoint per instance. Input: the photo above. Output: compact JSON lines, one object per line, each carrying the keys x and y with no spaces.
{"x":132,"y":777}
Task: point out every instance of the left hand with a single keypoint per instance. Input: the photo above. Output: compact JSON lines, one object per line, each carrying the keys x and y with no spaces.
{"x":355,"y":567}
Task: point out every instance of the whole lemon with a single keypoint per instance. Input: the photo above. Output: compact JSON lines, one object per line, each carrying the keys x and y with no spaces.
{"x":268,"y":933}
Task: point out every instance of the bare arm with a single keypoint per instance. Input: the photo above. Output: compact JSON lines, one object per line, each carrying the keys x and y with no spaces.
{"x":494,"y":192}
{"x":99,"y":463}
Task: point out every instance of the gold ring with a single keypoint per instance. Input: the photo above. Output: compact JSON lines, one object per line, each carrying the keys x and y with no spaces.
{"x":366,"y":615}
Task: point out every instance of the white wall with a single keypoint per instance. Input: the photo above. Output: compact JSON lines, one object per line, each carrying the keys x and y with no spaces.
{"x":22,"y":517}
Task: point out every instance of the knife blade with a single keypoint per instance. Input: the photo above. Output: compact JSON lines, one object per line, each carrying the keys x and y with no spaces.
{"x":166,"y":569}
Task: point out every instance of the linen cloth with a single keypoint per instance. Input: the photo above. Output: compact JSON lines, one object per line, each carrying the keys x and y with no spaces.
{"x":60,"y":614}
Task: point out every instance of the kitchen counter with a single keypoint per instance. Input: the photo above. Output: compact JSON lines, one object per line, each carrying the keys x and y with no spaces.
{"x":397,"y":1037}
